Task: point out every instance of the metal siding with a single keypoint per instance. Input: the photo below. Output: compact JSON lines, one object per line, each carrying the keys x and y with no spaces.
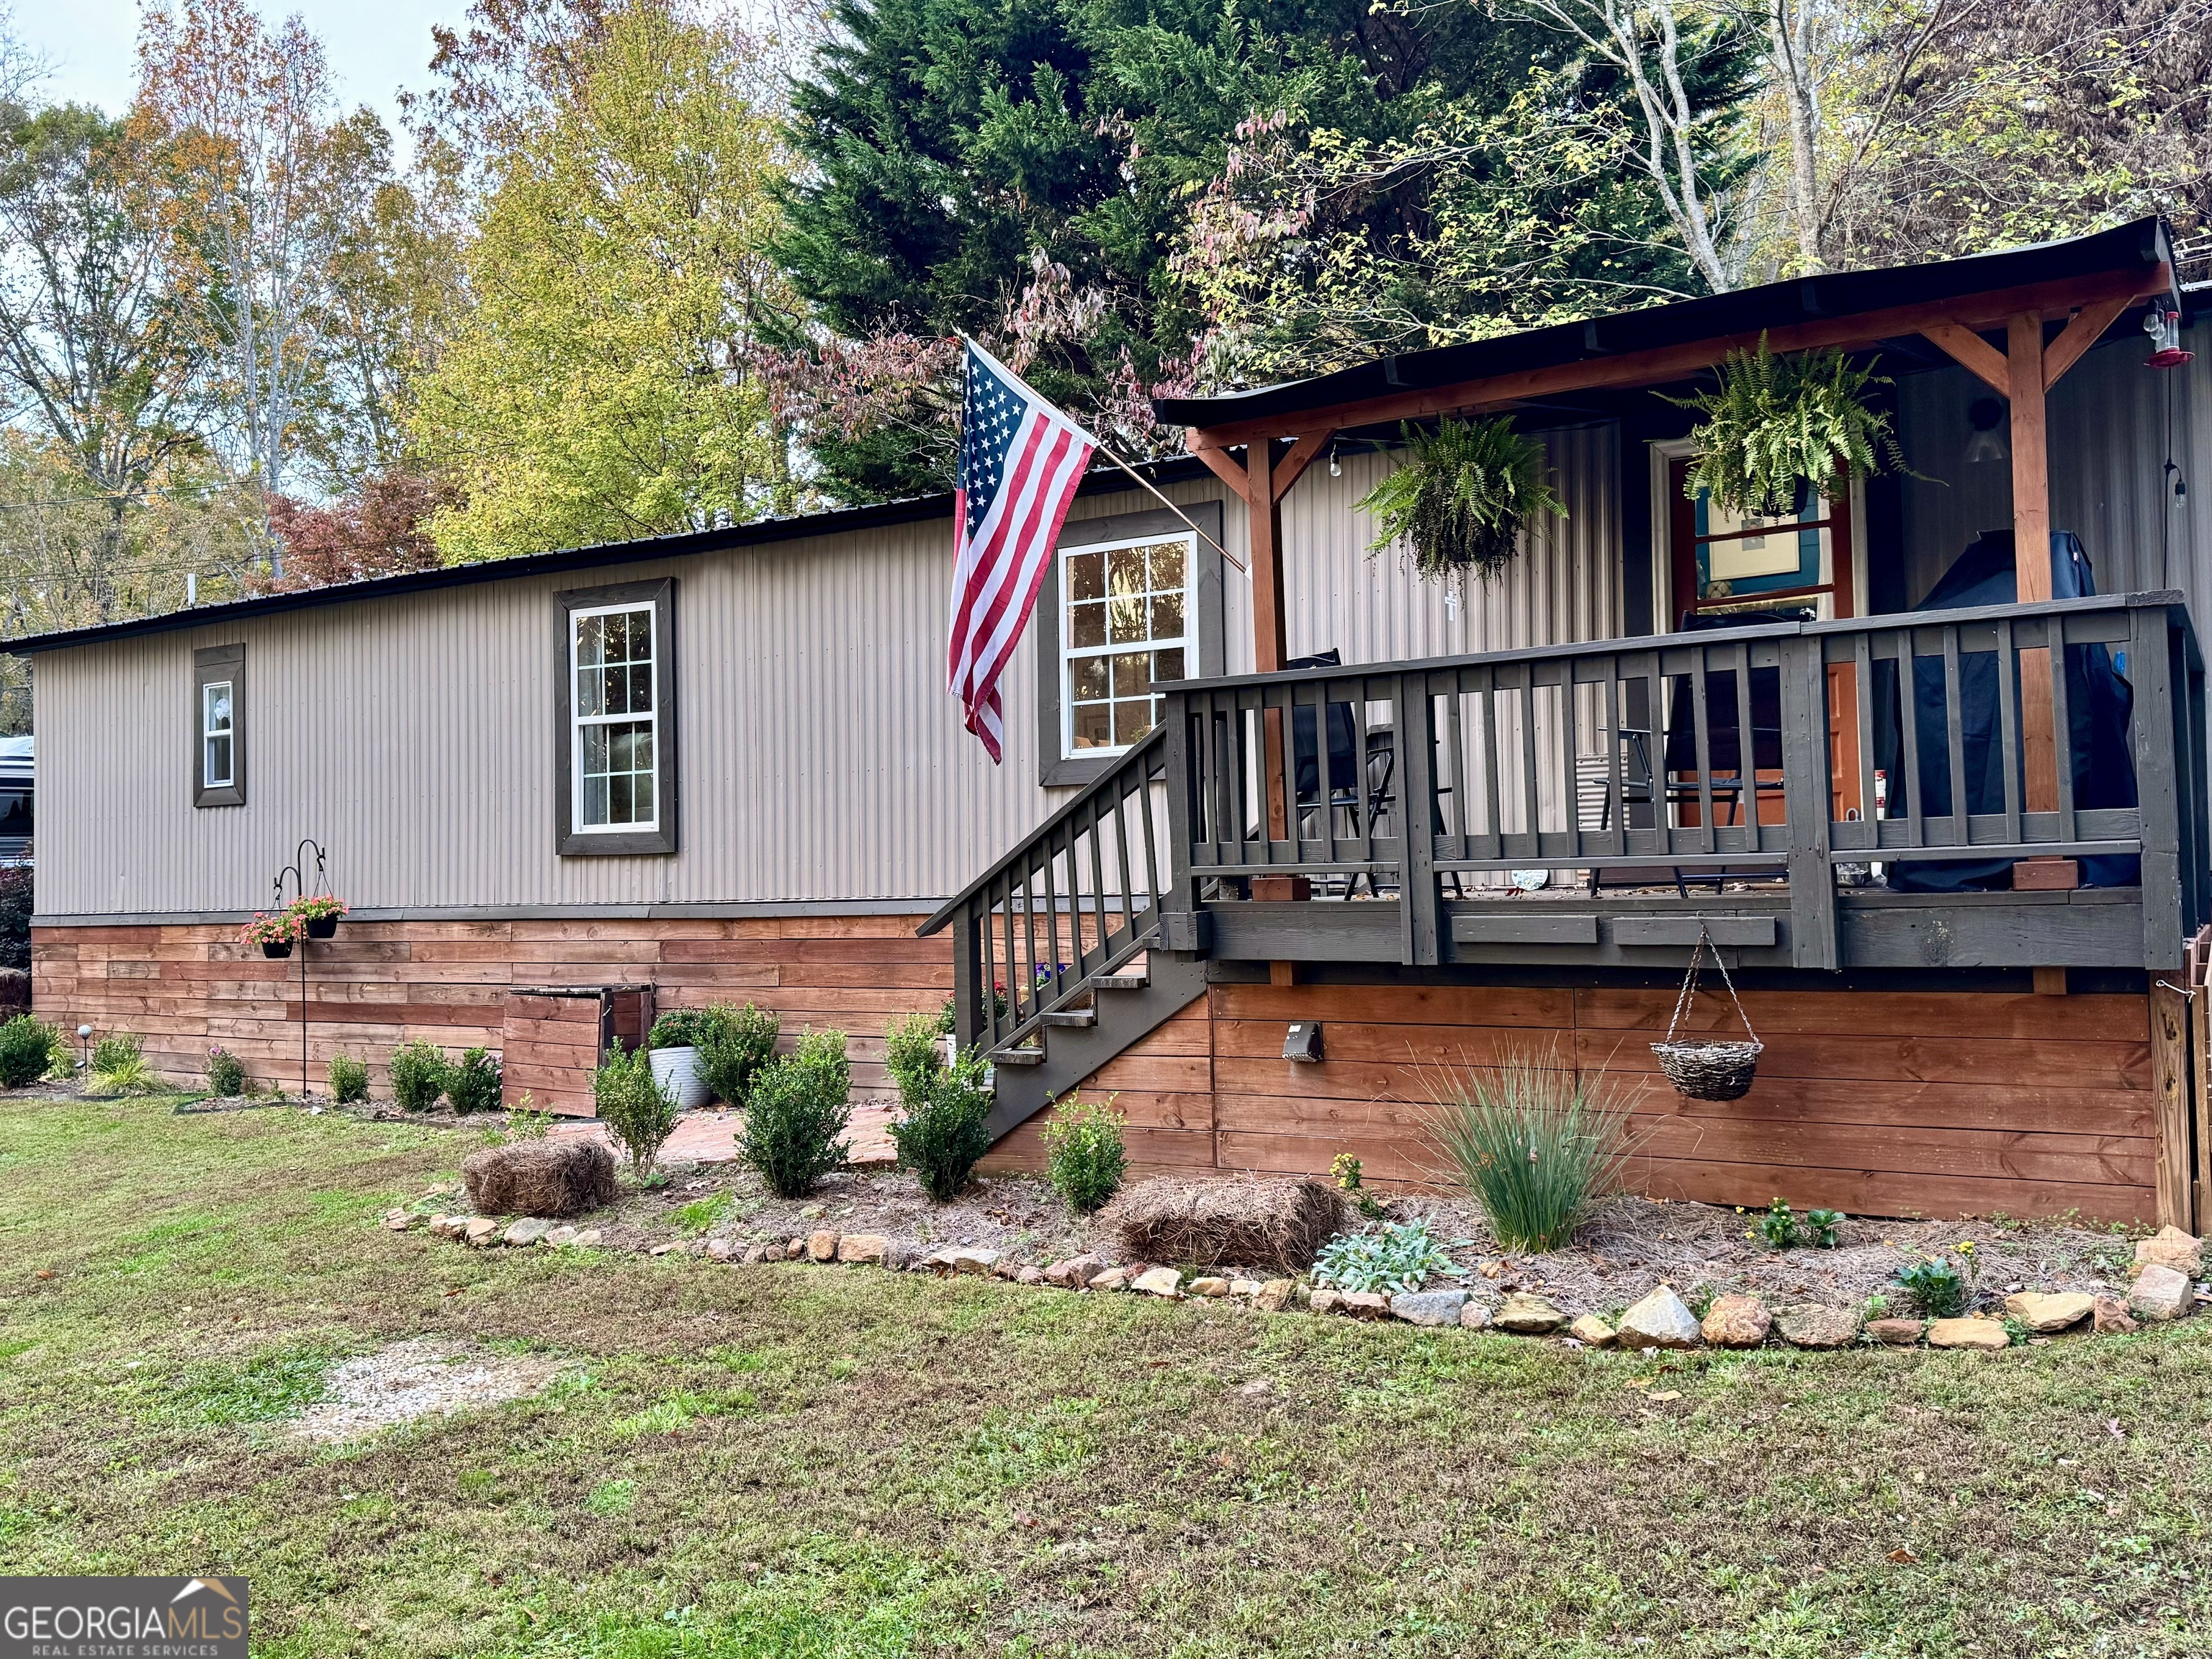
{"x":821,"y":759}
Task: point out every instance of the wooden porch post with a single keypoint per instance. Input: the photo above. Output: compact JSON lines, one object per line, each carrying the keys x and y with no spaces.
{"x":2026,"y":376}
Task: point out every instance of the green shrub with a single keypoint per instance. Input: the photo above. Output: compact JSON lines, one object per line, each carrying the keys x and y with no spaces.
{"x":1085,"y":1160}
{"x":225,"y":1073}
{"x":119,"y":1067}
{"x":945,"y":1130}
{"x":1934,"y":1288}
{"x":1536,"y":1145}
{"x":640,"y":1114}
{"x":824,"y":1052}
{"x":349,"y":1080}
{"x":795,"y":1117}
{"x":473,"y":1083}
{"x":912,"y":1053}
{"x":681,"y":1028}
{"x":419,"y":1076}
{"x":28,"y":1048}
{"x":739,"y":1042}
{"x":1399,"y":1255}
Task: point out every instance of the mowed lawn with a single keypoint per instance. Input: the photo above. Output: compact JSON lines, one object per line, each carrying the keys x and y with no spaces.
{"x":824,"y":1460}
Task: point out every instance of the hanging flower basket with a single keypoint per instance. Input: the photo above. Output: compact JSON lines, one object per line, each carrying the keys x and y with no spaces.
{"x":1459,"y":503}
{"x":1709,"y":1068}
{"x":275,"y":934}
{"x":319,"y":915}
{"x":1777,"y":423}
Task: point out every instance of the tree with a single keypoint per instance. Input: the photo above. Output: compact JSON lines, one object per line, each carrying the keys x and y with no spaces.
{"x":382,"y":528}
{"x":601,"y":386}
{"x":1023,"y":173}
{"x":94,"y":344}
{"x":239,"y":118}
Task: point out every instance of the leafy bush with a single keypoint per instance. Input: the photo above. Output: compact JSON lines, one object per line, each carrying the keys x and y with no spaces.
{"x":473,"y":1083}
{"x":795,"y":1116}
{"x":16,"y":904}
{"x":912,"y":1053}
{"x":28,"y":1048}
{"x":681,"y":1028}
{"x":944,"y":1129}
{"x":225,"y":1073}
{"x":1085,"y":1160}
{"x":349,"y":1080}
{"x":739,"y":1042}
{"x":1780,"y":1230}
{"x":1463,"y":496}
{"x":1780,"y":424}
{"x":119,"y":1067}
{"x":638,"y":1112}
{"x":1934,"y":1288}
{"x":1396,"y":1257}
{"x":1538,"y":1146}
{"x":419,"y":1076}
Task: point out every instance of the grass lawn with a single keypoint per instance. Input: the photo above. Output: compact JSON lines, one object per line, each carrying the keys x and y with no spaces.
{"x":803,"y":1461}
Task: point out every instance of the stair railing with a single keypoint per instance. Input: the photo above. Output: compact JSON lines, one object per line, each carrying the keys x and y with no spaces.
{"x":1077,"y":900}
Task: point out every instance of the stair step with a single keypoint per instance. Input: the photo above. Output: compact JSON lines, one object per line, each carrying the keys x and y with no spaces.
{"x":1073,"y":1017}
{"x":1136,"y":982}
{"x":1018,"y":1057}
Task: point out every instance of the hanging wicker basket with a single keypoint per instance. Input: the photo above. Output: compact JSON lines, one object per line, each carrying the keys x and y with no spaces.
{"x":1709,"y":1068}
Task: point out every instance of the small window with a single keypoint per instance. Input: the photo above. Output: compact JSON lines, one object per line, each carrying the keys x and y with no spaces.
{"x":1126,"y":625}
{"x":218,"y":727}
{"x":617,"y":667}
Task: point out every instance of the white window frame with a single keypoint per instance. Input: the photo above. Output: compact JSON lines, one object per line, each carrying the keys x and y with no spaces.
{"x":1070,"y":653}
{"x":209,"y":733}
{"x":578,"y":721}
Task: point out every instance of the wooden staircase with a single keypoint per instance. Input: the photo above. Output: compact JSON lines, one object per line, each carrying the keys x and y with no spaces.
{"x":1060,"y":948}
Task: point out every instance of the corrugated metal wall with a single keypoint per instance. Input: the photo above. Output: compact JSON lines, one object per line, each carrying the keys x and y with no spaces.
{"x":2111,"y":423}
{"x":821,"y":759}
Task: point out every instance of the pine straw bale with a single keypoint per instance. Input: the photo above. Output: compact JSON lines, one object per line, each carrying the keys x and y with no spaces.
{"x":551,"y":1178}
{"x":1216,"y":1223}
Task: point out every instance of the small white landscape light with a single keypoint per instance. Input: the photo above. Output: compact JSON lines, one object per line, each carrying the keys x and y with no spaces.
{"x":1303,"y":1042}
{"x":84,"y":1046}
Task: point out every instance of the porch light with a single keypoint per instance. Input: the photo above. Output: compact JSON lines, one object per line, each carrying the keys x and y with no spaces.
{"x":1986,"y":443}
{"x":2164,"y":328}
{"x":1302,"y":1042}
{"x":1336,"y":466}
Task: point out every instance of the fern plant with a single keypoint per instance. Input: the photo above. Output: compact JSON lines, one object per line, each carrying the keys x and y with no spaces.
{"x":1777,"y":423}
{"x":1459,"y":505}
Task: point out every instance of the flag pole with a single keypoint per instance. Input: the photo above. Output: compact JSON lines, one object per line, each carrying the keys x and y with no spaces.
{"x":1170,"y":505}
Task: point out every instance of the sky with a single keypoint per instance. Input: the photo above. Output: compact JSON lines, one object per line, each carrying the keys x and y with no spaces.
{"x":374,"y":46}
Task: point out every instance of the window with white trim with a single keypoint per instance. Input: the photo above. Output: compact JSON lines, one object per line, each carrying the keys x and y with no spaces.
{"x":218,"y":735}
{"x":615,"y":772}
{"x":1127,"y":624}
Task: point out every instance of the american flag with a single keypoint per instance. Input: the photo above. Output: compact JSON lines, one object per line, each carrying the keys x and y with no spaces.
{"x":1020,"y":462}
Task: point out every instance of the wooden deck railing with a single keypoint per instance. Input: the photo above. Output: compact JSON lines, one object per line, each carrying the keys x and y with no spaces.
{"x":1762,"y":747}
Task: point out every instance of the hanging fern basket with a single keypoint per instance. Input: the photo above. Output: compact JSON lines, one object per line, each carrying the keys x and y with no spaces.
{"x":1777,"y":422}
{"x":1461,"y":501}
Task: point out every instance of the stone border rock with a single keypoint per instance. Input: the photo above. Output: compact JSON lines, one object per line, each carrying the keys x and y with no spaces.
{"x":2166,"y":1288}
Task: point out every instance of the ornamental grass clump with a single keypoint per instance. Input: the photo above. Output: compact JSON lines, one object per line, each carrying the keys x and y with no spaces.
{"x":28,"y":1048}
{"x":640,"y":1114}
{"x":734,"y":1045}
{"x":1397,"y":1256}
{"x":796,"y":1113}
{"x":119,"y":1067}
{"x":1538,"y":1145}
{"x":1778,"y":422}
{"x":1460,"y":502}
{"x":1086,"y":1160}
{"x":944,"y":1129}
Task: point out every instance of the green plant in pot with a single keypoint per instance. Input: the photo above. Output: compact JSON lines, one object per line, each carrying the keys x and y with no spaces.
{"x":675,"y":1040}
{"x":317,"y":915}
{"x":1776,"y":423}
{"x":1463,"y":498}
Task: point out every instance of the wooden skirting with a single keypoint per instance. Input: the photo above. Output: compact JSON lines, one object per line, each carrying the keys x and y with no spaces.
{"x":1878,"y":1103}
{"x":182,"y":988}
{"x":1934,"y":1103}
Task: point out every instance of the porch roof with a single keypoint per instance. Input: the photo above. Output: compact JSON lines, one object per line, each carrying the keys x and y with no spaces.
{"x":1689,"y":333}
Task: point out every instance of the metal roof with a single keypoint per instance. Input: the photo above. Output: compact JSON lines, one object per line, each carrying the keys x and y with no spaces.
{"x":759,"y":533}
{"x":2142,"y":245}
